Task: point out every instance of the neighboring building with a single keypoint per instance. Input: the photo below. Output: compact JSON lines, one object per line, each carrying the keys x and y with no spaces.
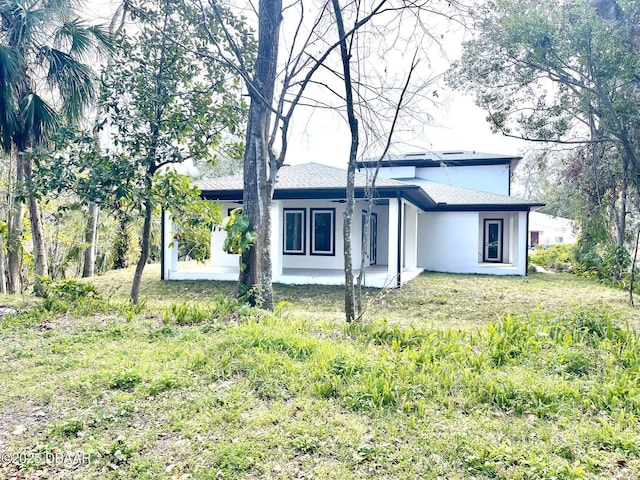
{"x":439,"y":211}
{"x":550,"y":230}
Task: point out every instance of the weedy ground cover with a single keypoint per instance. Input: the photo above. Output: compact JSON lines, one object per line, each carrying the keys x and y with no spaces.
{"x":433,"y":299}
{"x":213,"y":389}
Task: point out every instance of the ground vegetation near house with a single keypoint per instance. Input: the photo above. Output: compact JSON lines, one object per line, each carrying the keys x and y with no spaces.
{"x":191,"y":384}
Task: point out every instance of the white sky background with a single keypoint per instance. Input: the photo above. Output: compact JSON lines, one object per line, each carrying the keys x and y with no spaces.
{"x":320,"y":135}
{"x":455,"y":124}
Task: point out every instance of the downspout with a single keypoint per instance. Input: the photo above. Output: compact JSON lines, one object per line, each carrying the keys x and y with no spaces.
{"x":400,"y":215}
{"x":162,"y":246}
{"x":526,"y":254}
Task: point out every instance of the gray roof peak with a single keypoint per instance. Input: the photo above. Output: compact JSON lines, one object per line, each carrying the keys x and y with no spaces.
{"x":307,"y":175}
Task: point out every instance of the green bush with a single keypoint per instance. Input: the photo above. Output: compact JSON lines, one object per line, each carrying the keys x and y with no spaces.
{"x":68,"y":290}
{"x":559,"y":258}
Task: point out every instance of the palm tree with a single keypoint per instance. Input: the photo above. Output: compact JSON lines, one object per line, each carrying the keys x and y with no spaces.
{"x":45,"y":82}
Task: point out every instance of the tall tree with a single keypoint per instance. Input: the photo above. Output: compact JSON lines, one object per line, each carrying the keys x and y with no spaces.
{"x":379,"y":102}
{"x":293,"y":78}
{"x":93,"y":209}
{"x":166,"y":106}
{"x":43,"y":84}
{"x":260,"y":163}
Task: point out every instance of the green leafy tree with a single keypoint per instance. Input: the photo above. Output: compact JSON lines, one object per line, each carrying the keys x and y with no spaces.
{"x":239,"y":237}
{"x":166,"y":107}
{"x":552,"y":72}
{"x":44,"y":82}
{"x":565,"y":73}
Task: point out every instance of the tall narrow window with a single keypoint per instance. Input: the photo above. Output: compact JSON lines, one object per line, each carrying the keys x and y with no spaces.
{"x":323,"y":226}
{"x":373,"y":236}
{"x":493,"y":240}
{"x":294,"y":228}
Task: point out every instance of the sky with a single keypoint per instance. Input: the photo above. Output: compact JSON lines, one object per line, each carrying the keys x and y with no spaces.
{"x":457,"y":123}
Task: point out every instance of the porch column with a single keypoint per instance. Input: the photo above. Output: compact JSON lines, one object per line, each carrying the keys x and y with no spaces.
{"x":523,"y":242}
{"x":212,"y":246}
{"x":170,"y":247}
{"x":276,"y":239}
{"x":411,"y":238}
{"x":393,"y":249}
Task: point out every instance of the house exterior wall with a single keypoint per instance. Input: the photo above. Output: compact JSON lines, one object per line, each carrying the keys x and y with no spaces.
{"x":552,"y":230}
{"x":396,"y":172}
{"x":319,"y":261}
{"x":486,"y":178}
{"x":454,"y":242}
{"x":410,"y":234}
{"x":383,"y":234}
{"x":448,"y":241}
{"x":222,"y":259}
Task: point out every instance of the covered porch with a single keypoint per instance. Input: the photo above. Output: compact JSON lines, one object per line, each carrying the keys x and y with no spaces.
{"x":393,"y":258}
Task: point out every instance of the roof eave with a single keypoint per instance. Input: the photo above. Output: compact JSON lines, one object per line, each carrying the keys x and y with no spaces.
{"x":487,"y":207}
{"x":384,"y":191}
{"x":423,"y":162}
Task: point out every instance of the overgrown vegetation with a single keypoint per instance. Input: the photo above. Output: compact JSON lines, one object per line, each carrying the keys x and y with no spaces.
{"x":216,"y":389}
{"x":557,"y":258}
{"x":608,"y":264}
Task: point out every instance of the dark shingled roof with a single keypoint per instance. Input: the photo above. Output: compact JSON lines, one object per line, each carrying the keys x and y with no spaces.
{"x":443,"y":194}
{"x":314,"y":180}
{"x":307,"y":176}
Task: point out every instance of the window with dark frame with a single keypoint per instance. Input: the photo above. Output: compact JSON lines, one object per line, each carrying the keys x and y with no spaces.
{"x":294,"y":230}
{"x":493,"y":240}
{"x":323,"y":226}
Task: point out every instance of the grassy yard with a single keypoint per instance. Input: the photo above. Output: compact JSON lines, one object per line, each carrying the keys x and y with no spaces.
{"x":450,"y":377}
{"x":433,"y":299}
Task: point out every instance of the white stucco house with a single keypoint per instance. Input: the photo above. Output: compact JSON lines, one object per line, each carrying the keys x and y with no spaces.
{"x":550,"y":230}
{"x":437,"y":211}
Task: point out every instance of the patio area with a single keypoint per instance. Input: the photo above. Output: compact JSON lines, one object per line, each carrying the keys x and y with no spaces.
{"x":376,"y":276}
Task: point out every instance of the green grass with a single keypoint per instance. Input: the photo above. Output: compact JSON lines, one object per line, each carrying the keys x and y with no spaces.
{"x":434,"y":299}
{"x":213,"y":389}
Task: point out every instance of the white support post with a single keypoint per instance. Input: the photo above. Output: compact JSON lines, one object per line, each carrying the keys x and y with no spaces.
{"x":276,"y":239}
{"x":522,"y":242}
{"x":392,"y":256}
{"x":170,"y":252}
{"x":411,"y":238}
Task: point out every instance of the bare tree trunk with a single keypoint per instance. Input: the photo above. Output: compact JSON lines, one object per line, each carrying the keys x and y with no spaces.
{"x":3,"y":266}
{"x":255,"y":277}
{"x":619,"y":214}
{"x":3,"y":239}
{"x":633,"y":268}
{"x":37,"y":232}
{"x":349,"y":292}
{"x":37,"y":225}
{"x":37,"y":228}
{"x":371,"y":187}
{"x":144,"y":251}
{"x":90,"y":239}
{"x":16,"y":226}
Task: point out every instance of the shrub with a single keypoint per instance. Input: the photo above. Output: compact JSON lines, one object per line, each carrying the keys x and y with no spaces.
{"x":559,"y":258}
{"x":68,"y":290}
